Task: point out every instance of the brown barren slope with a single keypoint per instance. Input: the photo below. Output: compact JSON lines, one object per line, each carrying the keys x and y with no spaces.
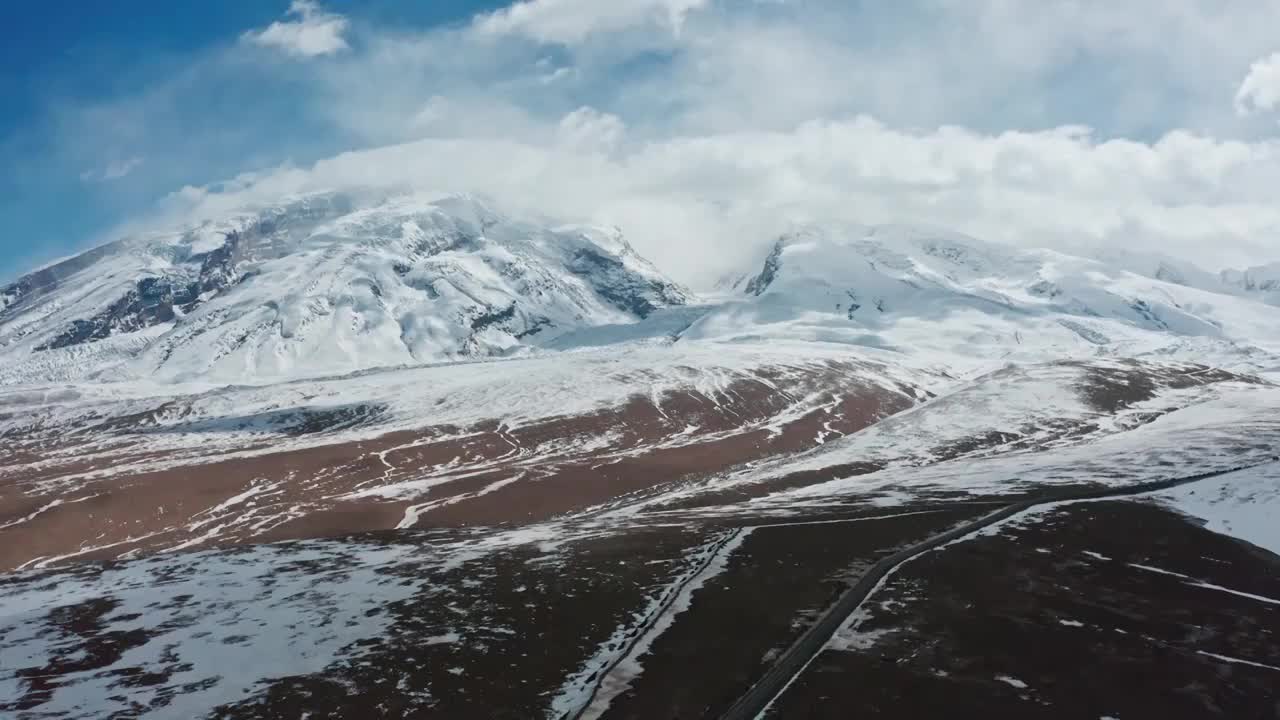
{"x":128,"y":500}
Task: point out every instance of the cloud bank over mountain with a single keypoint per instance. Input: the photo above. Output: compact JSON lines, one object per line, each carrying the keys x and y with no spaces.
{"x":704,"y":128}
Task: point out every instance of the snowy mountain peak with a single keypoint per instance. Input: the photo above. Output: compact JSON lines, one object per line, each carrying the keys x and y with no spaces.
{"x":1263,"y":280}
{"x":1260,"y":283}
{"x":832,"y":255}
{"x":323,"y":283}
{"x":945,"y":295}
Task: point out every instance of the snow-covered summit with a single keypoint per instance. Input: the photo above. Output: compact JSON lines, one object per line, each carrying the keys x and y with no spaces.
{"x":323,"y":283}
{"x":1263,"y":281}
{"x":332,"y":283}
{"x":941,"y":294}
{"x":1260,"y":283}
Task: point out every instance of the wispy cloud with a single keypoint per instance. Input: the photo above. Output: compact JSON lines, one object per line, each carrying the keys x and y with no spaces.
{"x":572,"y":21}
{"x":313,"y":33}
{"x":700,"y":205}
{"x":112,"y":171}
{"x":1072,"y":123}
{"x":1260,"y":89}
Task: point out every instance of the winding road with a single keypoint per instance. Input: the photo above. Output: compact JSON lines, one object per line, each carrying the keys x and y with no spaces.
{"x":756,"y":701}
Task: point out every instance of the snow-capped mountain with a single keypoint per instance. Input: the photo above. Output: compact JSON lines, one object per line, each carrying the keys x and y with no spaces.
{"x":334,"y":283}
{"x":1262,"y":281}
{"x":565,"y":423}
{"x":324,"y":283}
{"x":950,"y":298}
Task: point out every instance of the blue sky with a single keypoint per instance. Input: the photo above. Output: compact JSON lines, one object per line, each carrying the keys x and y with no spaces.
{"x":62,"y":53}
{"x":66,"y":56}
{"x":1060,"y":123}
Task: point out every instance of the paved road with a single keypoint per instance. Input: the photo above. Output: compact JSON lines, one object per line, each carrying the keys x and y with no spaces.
{"x":790,"y":664}
{"x":638,"y":633}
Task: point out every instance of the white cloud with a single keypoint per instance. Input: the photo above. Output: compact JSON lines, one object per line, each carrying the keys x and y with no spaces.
{"x":589,"y":130}
{"x":702,"y":205}
{"x":112,"y":171}
{"x":572,"y":21}
{"x":314,"y":33}
{"x":1067,"y":126}
{"x":1260,"y":89}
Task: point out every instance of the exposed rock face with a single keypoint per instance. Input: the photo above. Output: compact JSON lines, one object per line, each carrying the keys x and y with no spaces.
{"x":758,"y":284}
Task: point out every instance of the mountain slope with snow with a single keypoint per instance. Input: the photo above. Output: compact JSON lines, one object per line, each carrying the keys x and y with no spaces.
{"x":489,"y":438}
{"x":1262,"y":281}
{"x":325,"y":283}
{"x":328,"y":284}
{"x":342,"y":363}
{"x":961,"y":303}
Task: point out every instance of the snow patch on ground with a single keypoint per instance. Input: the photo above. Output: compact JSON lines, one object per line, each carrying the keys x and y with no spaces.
{"x":1237,"y":661}
{"x":1237,"y":593}
{"x":1244,"y":505}
{"x":850,"y":638}
{"x":1012,"y":681}
{"x":1159,"y":571}
{"x":1196,"y":582}
{"x":213,"y":626}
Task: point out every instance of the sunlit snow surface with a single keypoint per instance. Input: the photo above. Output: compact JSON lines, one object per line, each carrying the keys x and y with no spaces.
{"x":1244,"y":505}
{"x":325,"y":283}
{"x":962,"y":302}
{"x":331,"y":283}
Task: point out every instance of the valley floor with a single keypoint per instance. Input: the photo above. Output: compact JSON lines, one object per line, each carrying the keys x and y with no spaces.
{"x":1092,"y":610}
{"x":654,"y":534}
{"x":1118,"y":608}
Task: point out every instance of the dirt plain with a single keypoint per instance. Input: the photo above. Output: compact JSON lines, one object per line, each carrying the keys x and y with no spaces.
{"x":1055,"y":619}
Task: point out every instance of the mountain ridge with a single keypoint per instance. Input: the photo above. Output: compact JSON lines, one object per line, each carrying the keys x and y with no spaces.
{"x":926,"y":291}
{"x":331,"y":283}
{"x":322,"y":285}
